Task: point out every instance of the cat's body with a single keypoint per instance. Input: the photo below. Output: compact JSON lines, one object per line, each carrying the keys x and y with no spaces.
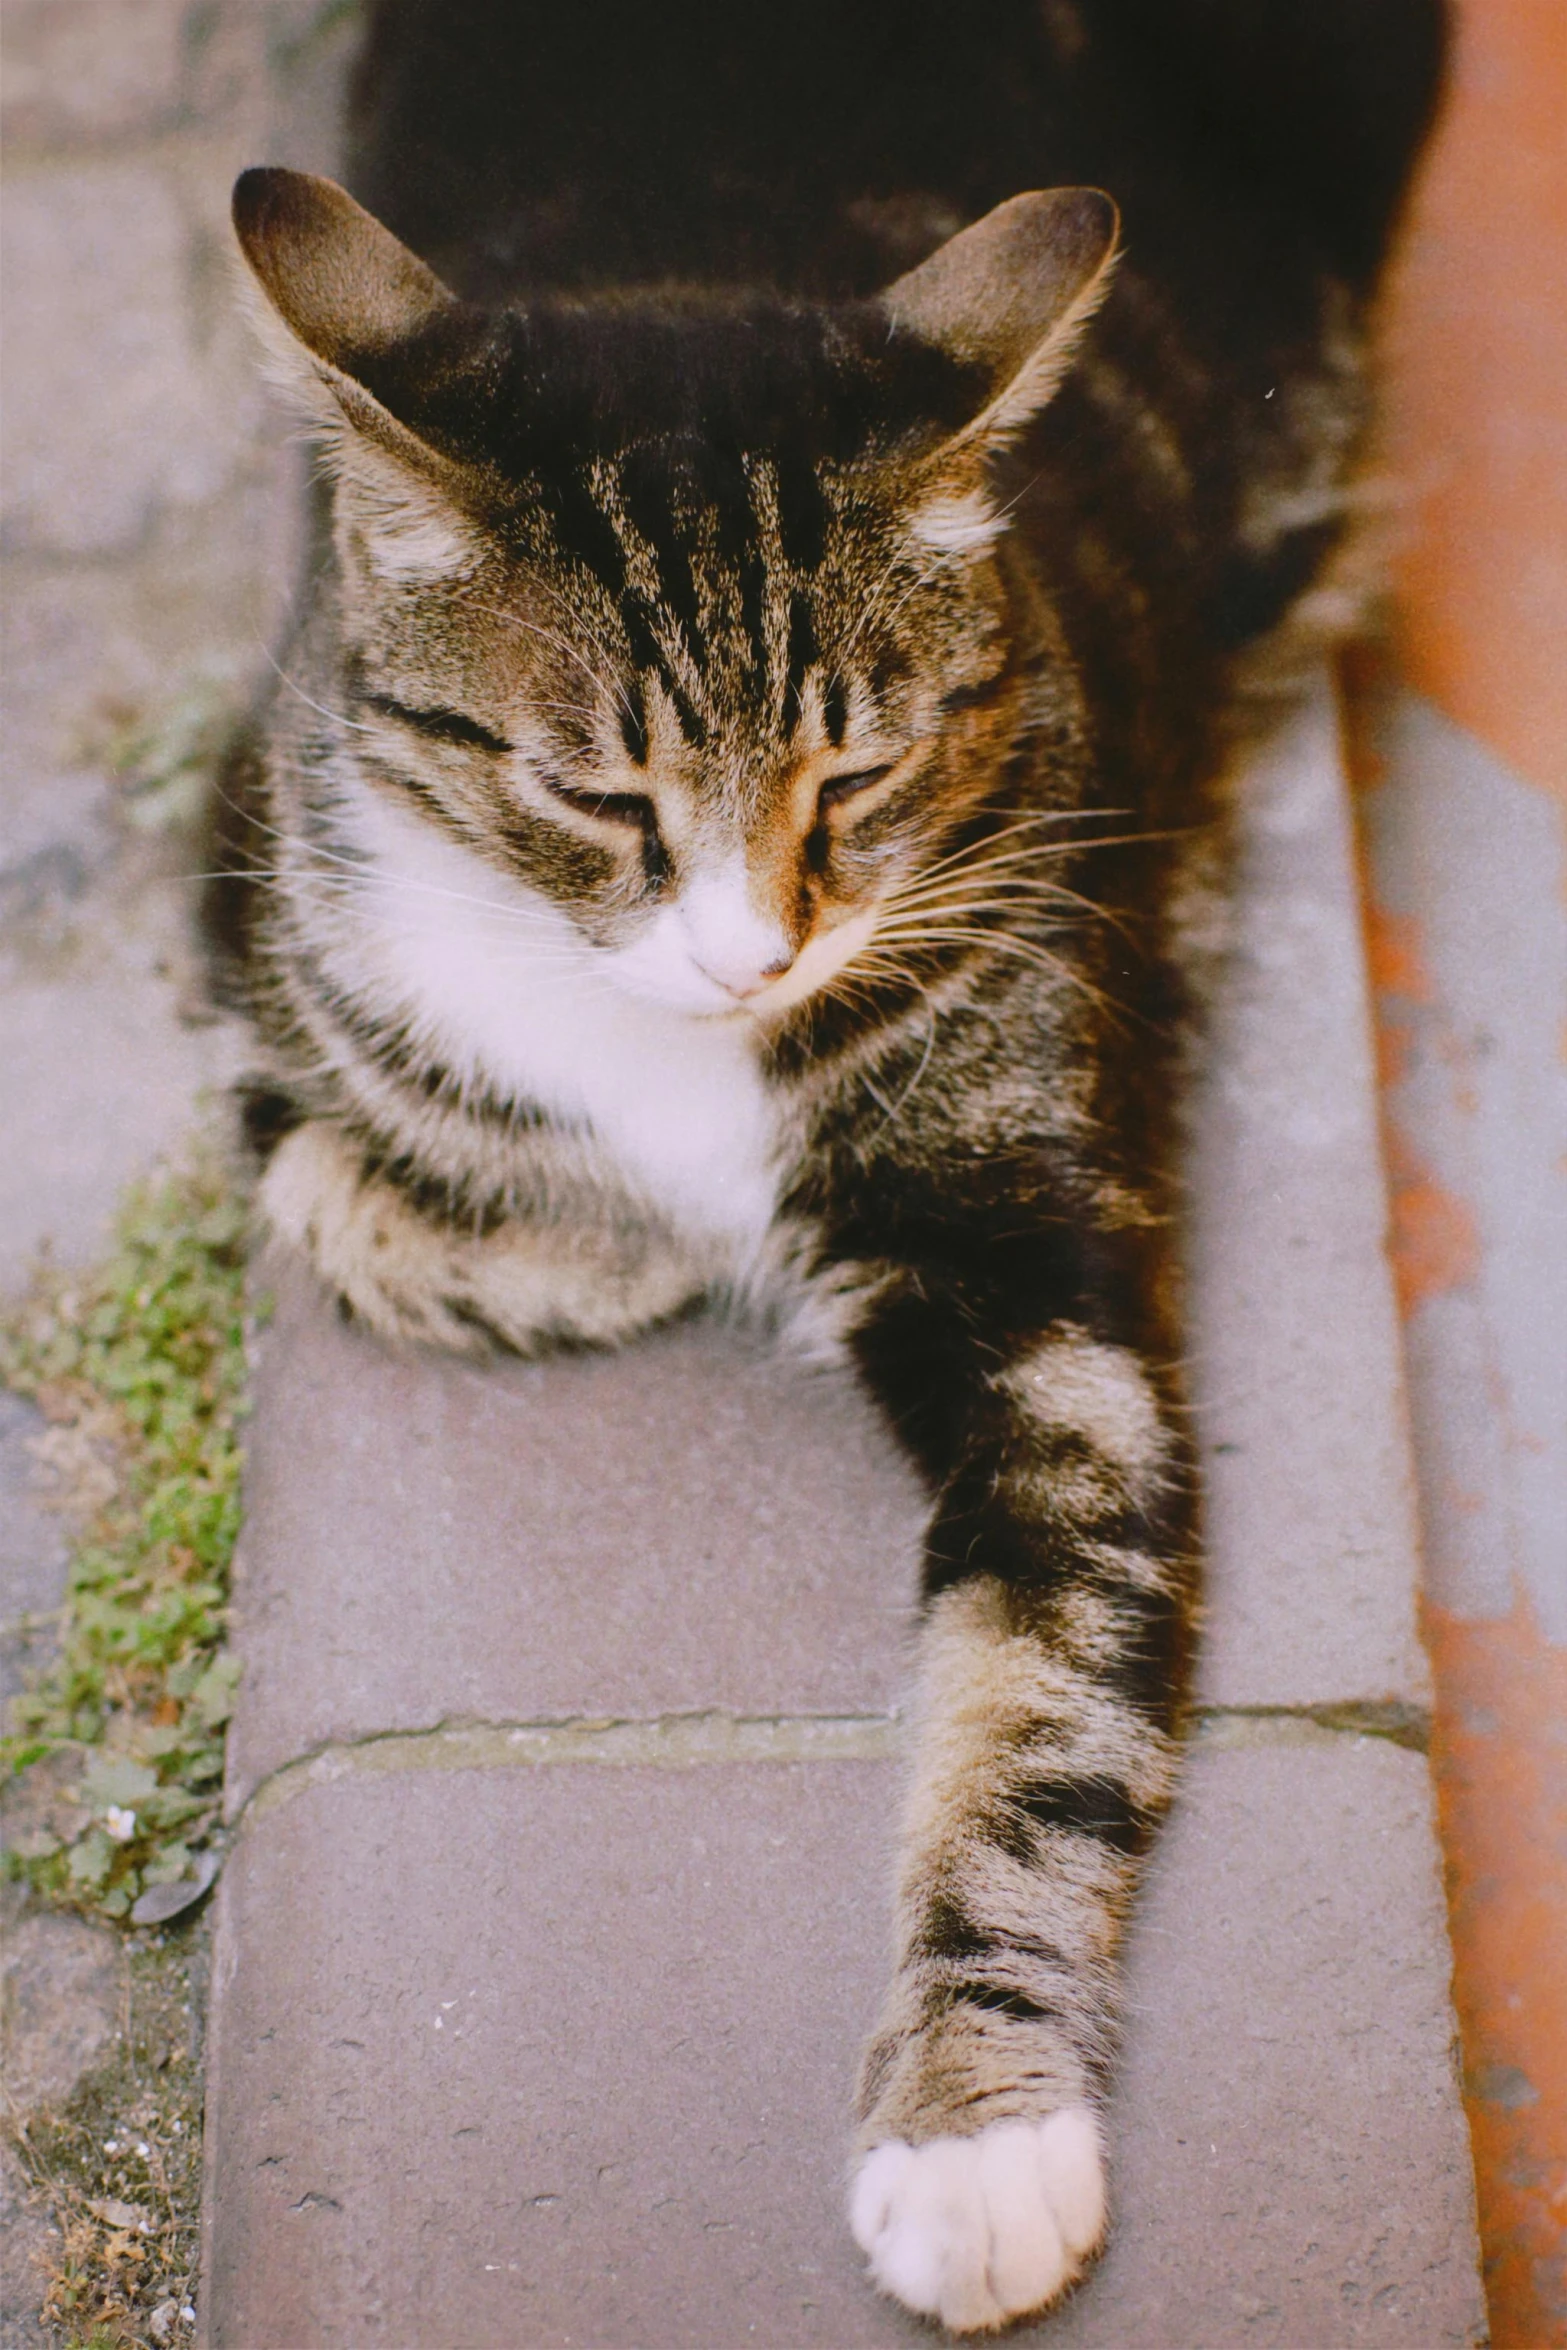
{"x":673,"y":870}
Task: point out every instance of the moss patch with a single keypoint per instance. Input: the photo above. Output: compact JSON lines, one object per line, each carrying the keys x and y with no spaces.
{"x":139,"y":1370}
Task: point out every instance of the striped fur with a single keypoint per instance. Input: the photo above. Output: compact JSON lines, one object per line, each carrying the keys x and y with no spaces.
{"x":720,"y":828}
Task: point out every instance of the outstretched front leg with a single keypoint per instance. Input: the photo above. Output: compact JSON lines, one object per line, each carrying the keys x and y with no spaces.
{"x":1055,"y":1612}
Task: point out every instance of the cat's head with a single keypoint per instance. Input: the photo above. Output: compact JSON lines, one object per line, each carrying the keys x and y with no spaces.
{"x":692,"y":613}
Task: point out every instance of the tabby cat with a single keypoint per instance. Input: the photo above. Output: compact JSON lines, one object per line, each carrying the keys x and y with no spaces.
{"x":784,"y":590}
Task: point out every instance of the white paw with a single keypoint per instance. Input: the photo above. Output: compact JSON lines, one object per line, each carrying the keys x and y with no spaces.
{"x":977,"y":2231}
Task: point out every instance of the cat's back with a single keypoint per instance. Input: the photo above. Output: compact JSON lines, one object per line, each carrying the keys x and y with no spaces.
{"x":821,"y":146}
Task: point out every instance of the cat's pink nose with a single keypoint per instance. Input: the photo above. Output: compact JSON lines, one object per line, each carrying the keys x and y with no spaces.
{"x":742,"y":982}
{"x":740,"y":946}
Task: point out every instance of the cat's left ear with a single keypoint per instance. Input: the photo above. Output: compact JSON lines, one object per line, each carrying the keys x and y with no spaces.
{"x":1009,"y":298}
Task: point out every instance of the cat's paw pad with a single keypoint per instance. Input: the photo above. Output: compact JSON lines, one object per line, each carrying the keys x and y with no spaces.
{"x":977,"y":2231}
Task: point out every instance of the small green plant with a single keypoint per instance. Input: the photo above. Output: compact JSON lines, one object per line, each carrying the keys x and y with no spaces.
{"x":139,"y":1369}
{"x":165,"y":755}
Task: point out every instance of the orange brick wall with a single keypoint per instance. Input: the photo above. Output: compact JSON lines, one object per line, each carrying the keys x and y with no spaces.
{"x":1477,"y":366}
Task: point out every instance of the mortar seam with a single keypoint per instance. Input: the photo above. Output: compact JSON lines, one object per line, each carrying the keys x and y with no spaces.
{"x":704,"y":1737}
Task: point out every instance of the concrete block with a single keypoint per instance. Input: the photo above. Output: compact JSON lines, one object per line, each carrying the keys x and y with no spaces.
{"x":560,"y":2055}
{"x":111,"y":408}
{"x":1463,"y":858}
{"x":691,"y":1524}
{"x":85,"y":70}
{"x":62,"y":1991}
{"x":1294,"y":1340}
{"x":102,"y":1077}
{"x":32,"y":2248}
{"x":33,"y":1551}
{"x":1293,"y":2163}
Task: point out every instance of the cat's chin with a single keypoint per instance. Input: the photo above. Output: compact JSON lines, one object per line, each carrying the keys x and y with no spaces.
{"x":979,"y":2231}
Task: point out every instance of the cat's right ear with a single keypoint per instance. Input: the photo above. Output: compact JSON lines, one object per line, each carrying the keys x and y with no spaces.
{"x":1009,"y":298}
{"x":345,"y":304}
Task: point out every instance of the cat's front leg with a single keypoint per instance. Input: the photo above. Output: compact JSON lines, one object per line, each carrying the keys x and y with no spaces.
{"x":417,"y":1275}
{"x":1056,"y":1601}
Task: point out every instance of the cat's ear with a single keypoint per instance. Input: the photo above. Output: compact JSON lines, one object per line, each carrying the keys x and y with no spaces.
{"x":342,"y":284}
{"x":1010,"y":298}
{"x":346,"y":304}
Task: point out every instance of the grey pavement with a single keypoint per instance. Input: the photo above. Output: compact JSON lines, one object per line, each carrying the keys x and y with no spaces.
{"x":33,"y":1551}
{"x":1294,"y":1331}
{"x":522,"y":2055}
{"x":1465,"y":856}
{"x":147,"y":523}
{"x":567,"y":1758}
{"x":147,"y":548}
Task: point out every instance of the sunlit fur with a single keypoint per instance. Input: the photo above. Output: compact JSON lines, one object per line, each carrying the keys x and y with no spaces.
{"x":722,"y":822}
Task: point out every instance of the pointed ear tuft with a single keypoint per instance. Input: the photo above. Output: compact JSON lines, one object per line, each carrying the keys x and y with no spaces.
{"x":1011,"y":296}
{"x":343,"y":296}
{"x":339,"y":281}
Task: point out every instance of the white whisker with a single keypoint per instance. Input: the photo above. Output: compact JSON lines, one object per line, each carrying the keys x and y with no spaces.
{"x":338,"y":717}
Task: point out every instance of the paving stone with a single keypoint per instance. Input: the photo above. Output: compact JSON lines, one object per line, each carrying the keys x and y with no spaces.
{"x":62,"y":1987}
{"x":1294,"y":1333}
{"x":101,"y":1078}
{"x":690,"y":1524}
{"x":561,"y":2055}
{"x":94,"y":649}
{"x":111,"y":408}
{"x":33,"y":1552}
{"x":32,"y":2243}
{"x":91,"y":69}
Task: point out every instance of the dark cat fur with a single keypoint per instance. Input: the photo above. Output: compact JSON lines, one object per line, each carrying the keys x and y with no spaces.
{"x":681,"y":445}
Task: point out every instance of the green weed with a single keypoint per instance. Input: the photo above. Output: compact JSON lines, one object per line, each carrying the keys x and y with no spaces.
{"x":139,"y":1370}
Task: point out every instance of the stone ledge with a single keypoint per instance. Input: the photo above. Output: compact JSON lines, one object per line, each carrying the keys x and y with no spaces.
{"x":1296,"y":1360}
{"x":688,"y":1525}
{"x":564,"y":2055}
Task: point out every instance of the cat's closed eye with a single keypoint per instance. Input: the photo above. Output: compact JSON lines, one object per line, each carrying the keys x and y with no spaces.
{"x":440,"y":726}
{"x":617,"y":807}
{"x":839,"y":789}
{"x":629,"y":808}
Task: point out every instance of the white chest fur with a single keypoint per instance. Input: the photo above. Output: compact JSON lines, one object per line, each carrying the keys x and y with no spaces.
{"x":503,"y":987}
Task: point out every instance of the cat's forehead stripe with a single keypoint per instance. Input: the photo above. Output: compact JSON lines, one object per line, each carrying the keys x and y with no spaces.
{"x":700,"y":551}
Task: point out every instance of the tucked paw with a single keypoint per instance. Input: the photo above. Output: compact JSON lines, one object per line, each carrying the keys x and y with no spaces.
{"x":977,"y":2231}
